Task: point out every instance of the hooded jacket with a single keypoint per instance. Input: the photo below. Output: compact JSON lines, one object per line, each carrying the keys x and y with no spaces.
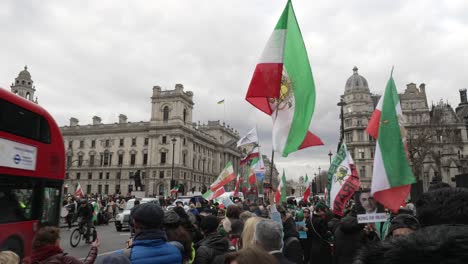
{"x":51,"y":254}
{"x":210,"y":248}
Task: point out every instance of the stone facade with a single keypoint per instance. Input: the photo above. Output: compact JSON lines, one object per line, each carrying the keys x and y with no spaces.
{"x":104,"y":157}
{"x":437,"y":136}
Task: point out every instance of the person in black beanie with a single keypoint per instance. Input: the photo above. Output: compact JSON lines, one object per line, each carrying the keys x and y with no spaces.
{"x":402,"y":225}
{"x":213,"y":247}
{"x":149,"y":244}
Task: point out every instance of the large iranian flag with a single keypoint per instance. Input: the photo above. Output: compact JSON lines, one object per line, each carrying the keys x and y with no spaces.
{"x":226,"y":175}
{"x":343,"y":181}
{"x":280,"y":195}
{"x":392,"y":175}
{"x":283,"y":87}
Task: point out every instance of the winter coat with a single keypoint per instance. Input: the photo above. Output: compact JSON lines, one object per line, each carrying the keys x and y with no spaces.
{"x":51,"y":254}
{"x":292,"y":249}
{"x":432,"y":244}
{"x":320,"y":251}
{"x":150,"y":246}
{"x":349,"y":238}
{"x":211,"y":249}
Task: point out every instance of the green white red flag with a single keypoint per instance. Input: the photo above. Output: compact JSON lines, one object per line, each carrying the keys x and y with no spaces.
{"x":226,"y":176}
{"x":307,"y":191}
{"x":392,"y":175}
{"x":343,"y":181}
{"x":283,"y":87}
{"x":211,"y":195}
{"x":79,"y":192}
{"x":280,"y":195}
{"x":175,"y":189}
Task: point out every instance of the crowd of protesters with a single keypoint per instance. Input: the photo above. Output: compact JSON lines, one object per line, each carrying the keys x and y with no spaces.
{"x":432,"y":230}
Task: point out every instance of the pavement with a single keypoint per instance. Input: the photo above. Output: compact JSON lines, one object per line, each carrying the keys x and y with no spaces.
{"x":110,"y":239}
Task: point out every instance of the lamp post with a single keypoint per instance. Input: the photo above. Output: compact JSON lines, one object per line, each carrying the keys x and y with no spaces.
{"x":203,"y":170}
{"x":341,"y":104}
{"x":330,"y":155}
{"x":320,"y":180}
{"x":173,"y":155}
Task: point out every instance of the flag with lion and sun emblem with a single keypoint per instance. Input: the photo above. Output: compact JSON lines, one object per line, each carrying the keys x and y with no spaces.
{"x":283,"y":87}
{"x":343,"y":181}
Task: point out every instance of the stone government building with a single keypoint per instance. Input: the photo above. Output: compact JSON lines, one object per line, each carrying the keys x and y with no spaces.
{"x":436,"y":136}
{"x":104,"y":157}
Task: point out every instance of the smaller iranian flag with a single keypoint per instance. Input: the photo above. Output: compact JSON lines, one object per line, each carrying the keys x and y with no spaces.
{"x":280,"y":195}
{"x":253,"y":154}
{"x":224,"y":177}
{"x":175,"y":189}
{"x":211,"y":195}
{"x":79,"y":192}
{"x":236,"y":189}
{"x":307,"y":189}
{"x":343,"y":181}
{"x":392,"y":175}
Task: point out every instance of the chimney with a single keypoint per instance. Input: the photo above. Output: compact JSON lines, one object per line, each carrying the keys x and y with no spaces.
{"x":422,"y":88}
{"x":156,"y":91}
{"x":74,"y":122}
{"x":122,"y":119}
{"x":463,"y":96}
{"x":96,"y":120}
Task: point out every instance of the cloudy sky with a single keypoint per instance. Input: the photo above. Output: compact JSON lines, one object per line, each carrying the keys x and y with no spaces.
{"x":103,"y":57}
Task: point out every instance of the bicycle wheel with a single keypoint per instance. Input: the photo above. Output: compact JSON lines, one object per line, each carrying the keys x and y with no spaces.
{"x":75,"y":237}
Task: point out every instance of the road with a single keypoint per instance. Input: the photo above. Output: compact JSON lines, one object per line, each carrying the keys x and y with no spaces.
{"x":111,"y":240}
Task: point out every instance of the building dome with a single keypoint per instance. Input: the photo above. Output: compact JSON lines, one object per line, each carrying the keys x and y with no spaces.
{"x":356,"y":81}
{"x":24,"y":74}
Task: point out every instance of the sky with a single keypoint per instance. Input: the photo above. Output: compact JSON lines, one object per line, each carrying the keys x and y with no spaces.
{"x":103,"y":57}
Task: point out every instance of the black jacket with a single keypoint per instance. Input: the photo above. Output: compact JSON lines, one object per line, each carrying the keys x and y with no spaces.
{"x":320,"y":251}
{"x":211,"y":249}
{"x":432,"y":244}
{"x":86,"y":213}
{"x":281,"y":258}
{"x":349,"y":238}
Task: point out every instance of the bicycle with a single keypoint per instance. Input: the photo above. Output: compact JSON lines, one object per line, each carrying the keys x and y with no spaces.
{"x":80,"y":232}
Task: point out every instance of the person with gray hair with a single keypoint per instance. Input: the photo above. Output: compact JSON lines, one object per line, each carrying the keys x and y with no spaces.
{"x":269,"y":236}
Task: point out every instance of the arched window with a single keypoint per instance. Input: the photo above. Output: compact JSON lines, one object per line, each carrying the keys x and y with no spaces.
{"x":161,"y":189}
{"x":185,"y":115}
{"x":166,"y":113}
{"x":28,"y":96}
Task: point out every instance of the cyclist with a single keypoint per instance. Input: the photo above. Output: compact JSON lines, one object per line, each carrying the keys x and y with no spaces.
{"x":85,"y":211}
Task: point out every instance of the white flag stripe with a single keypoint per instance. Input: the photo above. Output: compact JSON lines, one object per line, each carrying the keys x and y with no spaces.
{"x":274,"y":49}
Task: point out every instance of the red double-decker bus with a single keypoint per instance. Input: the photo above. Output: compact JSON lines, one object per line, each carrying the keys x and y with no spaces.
{"x":32,"y":169}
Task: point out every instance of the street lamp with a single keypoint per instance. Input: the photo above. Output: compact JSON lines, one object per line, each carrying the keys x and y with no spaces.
{"x":341,"y":104}
{"x":319,"y":180}
{"x":330,"y":155}
{"x":173,"y":152}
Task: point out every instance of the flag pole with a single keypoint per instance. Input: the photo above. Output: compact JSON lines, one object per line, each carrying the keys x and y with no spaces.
{"x":271,"y":167}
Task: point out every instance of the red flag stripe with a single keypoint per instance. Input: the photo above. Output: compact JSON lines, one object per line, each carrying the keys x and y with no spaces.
{"x":265,"y":84}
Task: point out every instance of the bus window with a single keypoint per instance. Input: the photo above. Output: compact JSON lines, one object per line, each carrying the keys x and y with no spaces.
{"x":51,"y":206}
{"x":16,"y":204}
{"x":22,"y":122}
